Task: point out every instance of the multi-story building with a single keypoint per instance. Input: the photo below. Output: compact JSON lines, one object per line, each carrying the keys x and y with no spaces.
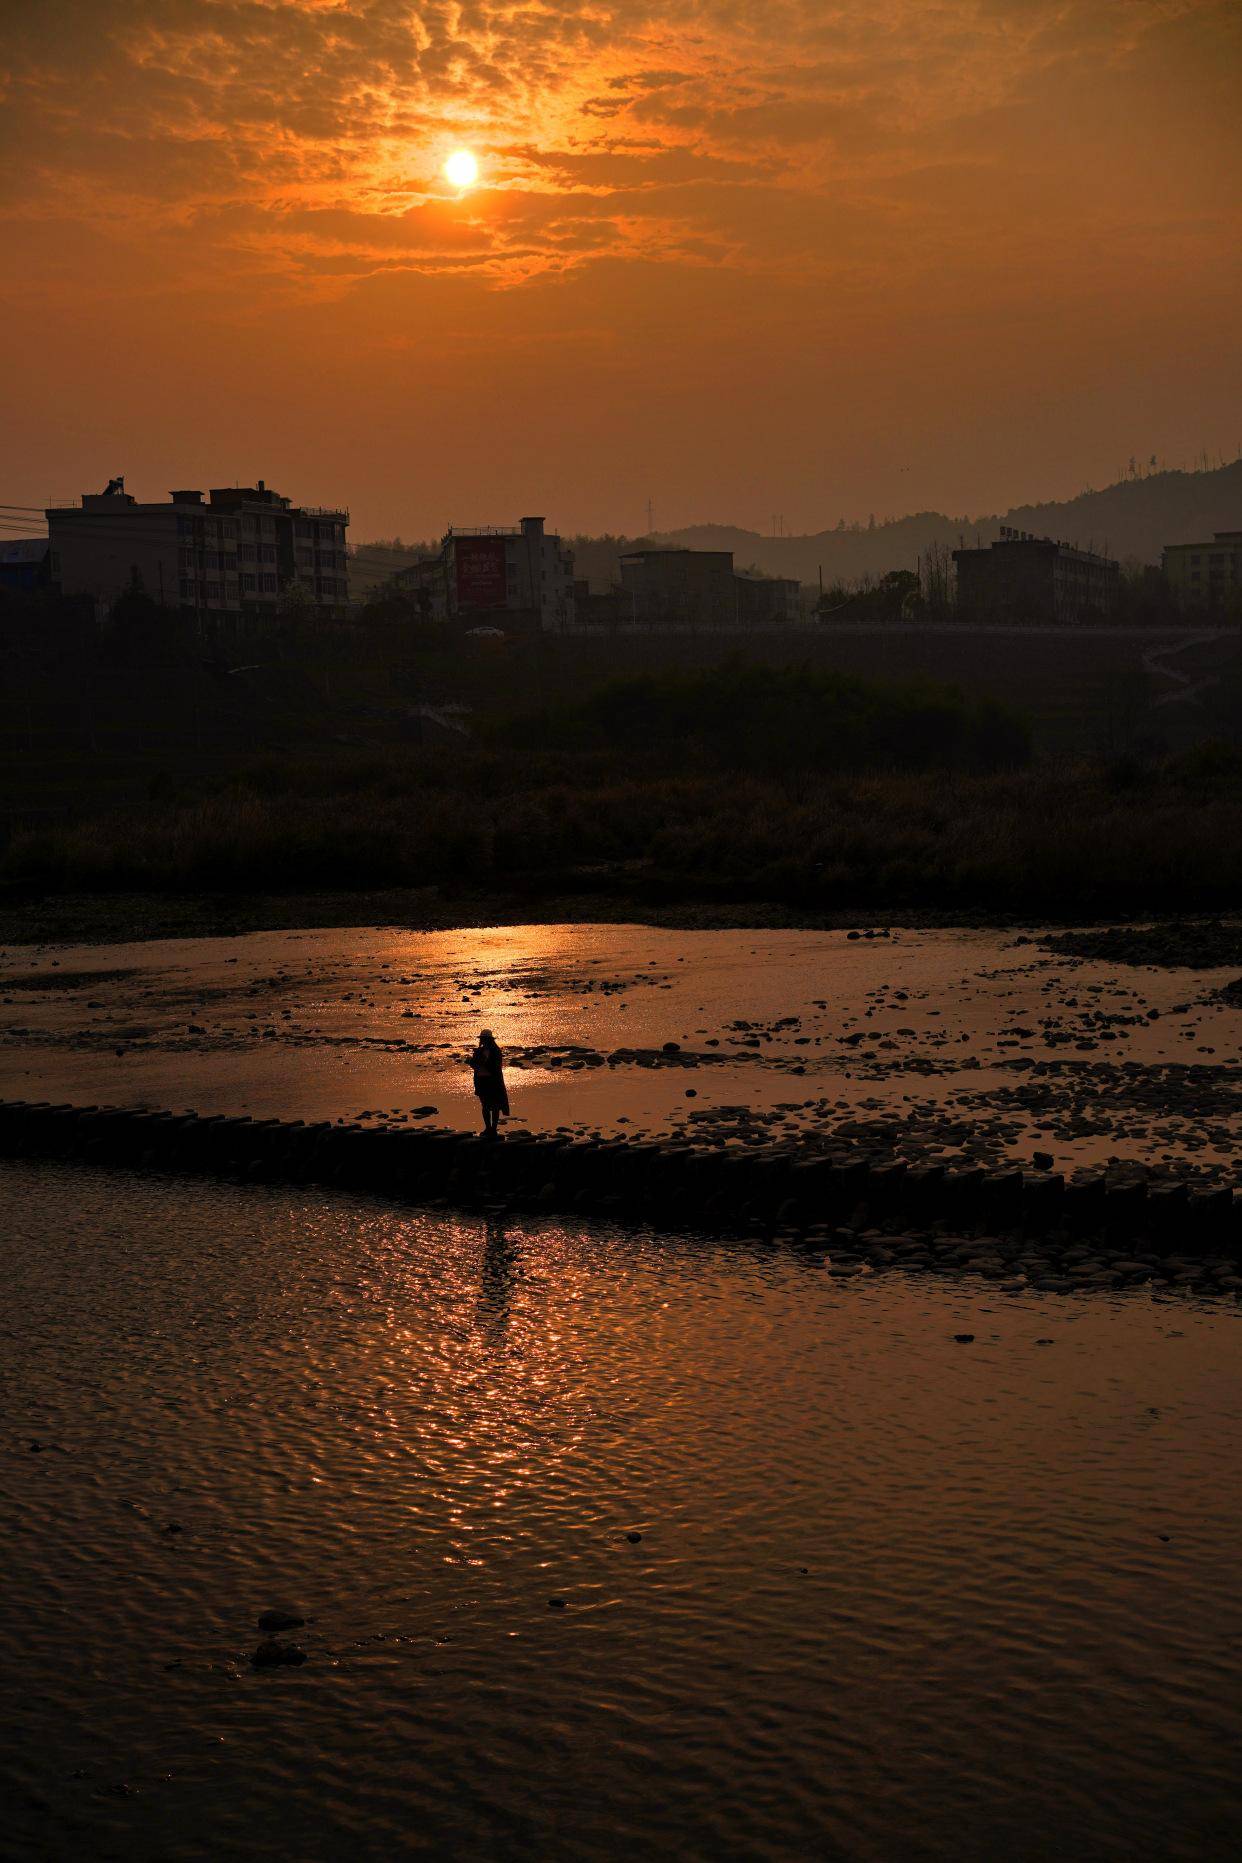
{"x":1205,"y":575}
{"x":768,"y":601}
{"x":523,"y":575}
{"x":1024,"y":578}
{"x":227,"y":560}
{"x":679,"y":587}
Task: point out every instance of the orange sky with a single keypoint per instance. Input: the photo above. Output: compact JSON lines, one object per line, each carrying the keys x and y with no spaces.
{"x":743,"y":256}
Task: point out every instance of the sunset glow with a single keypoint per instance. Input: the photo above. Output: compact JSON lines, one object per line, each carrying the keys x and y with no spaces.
{"x":880,"y":257}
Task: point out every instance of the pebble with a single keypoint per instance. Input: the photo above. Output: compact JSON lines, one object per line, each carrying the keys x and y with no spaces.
{"x":279,"y":1620}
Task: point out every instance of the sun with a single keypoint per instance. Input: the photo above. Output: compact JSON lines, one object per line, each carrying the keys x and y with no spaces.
{"x":461,"y":169}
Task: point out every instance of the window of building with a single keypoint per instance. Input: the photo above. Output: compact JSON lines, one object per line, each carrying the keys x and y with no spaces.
{"x":301,"y":529}
{"x":247,"y":552}
{"x":269,"y":585}
{"x":214,"y":592}
{"x":187,"y":590}
{"x":249,"y":580}
{"x":267,"y":552}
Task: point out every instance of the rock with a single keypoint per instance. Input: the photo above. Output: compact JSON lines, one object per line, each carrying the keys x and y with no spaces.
{"x":964,"y":1338}
{"x":556,"y":1604}
{"x":279,"y":1620}
{"x":273,"y":1655}
{"x":1042,"y":1160}
{"x":692,"y":1093}
{"x":671,"y":1047}
{"x":633,"y":1538}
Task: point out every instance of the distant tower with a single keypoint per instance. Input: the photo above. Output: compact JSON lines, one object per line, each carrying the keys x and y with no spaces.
{"x":650,"y":518}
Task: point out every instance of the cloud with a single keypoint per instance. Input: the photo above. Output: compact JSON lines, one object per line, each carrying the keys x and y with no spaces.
{"x":158,"y":112}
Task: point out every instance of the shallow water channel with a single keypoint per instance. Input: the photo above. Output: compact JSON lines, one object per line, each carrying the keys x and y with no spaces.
{"x":827,"y":1581}
{"x":944,"y":1044}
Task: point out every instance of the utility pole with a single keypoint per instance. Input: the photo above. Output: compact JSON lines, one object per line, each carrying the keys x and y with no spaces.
{"x":650,"y":518}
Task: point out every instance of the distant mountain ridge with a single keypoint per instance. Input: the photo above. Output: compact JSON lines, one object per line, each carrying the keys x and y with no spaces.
{"x":1131,"y":520}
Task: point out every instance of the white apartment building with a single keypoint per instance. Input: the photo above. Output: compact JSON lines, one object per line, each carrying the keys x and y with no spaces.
{"x":495,"y":570}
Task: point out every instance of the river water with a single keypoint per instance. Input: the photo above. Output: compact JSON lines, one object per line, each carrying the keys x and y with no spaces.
{"x":895,"y":1595}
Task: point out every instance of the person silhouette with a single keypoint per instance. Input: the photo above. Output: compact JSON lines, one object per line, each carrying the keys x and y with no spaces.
{"x":487,"y":1063}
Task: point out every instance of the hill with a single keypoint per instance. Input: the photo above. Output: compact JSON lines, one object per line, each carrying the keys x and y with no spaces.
{"x":1132,"y":520}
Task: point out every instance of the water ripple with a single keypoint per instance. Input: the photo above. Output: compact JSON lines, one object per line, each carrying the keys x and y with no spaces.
{"x":828,"y":1583}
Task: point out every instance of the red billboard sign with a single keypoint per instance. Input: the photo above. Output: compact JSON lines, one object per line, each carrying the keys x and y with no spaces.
{"x":480,"y":572}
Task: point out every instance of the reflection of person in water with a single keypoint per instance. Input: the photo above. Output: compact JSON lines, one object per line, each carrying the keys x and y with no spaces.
{"x":489,"y":1082}
{"x":499,"y":1280}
